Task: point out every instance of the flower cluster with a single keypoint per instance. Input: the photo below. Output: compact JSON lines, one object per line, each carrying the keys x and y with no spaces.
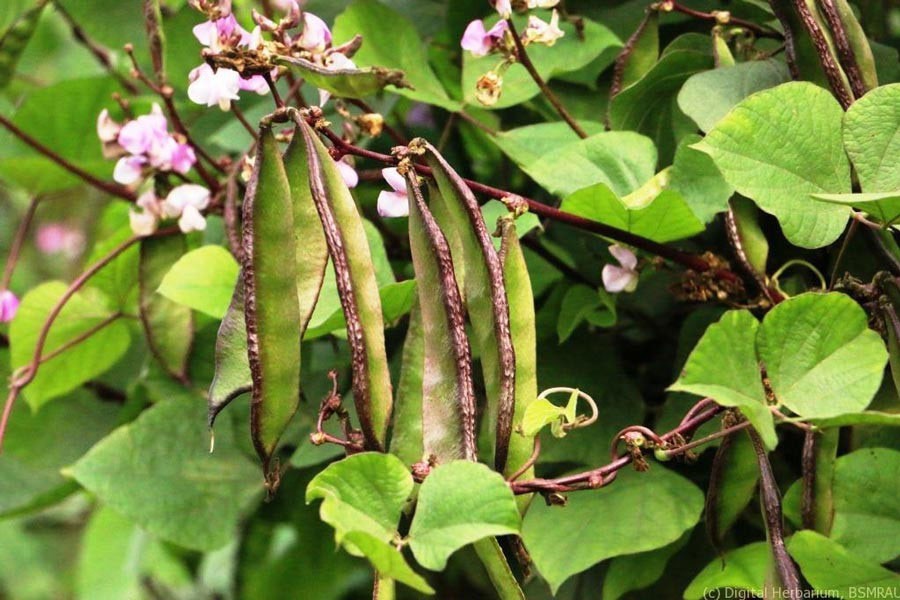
{"x":227,"y":44}
{"x":145,"y":148}
{"x":481,"y":41}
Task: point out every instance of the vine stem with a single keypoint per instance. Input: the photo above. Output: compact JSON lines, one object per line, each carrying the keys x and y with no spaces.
{"x":525,"y":61}
{"x":27,"y":373}
{"x":712,"y":16}
{"x":686,"y":259}
{"x":113,"y":189}
{"x":18,"y":241}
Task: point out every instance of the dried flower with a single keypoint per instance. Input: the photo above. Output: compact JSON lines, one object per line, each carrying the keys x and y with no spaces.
{"x":488,"y":88}
{"x":540,"y":32}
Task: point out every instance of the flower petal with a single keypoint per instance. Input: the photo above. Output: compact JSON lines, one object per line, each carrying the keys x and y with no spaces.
{"x":625,"y":256}
{"x":188,"y":194}
{"x":191,"y":220}
{"x":394,"y":179}
{"x":129,"y":169}
{"x":616,"y":279}
{"x":107,"y":129}
{"x":142,"y":223}
{"x":475,"y":39}
{"x":316,"y":36}
{"x":393,"y":204}
{"x":9,"y":305}
{"x":348,"y":174}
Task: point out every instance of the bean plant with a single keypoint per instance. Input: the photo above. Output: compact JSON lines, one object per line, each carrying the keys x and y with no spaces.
{"x":473,"y":299}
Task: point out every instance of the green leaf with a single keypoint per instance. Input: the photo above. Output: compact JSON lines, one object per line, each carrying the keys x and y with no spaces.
{"x":14,"y":40}
{"x":744,"y":568}
{"x":664,"y":219}
{"x":866,"y":513}
{"x":568,"y":54}
{"x":695,"y":176}
{"x":387,"y":560}
{"x":391,"y":41}
{"x":622,"y":160}
{"x":724,"y":367}
{"x":868,"y":417}
{"x":820,"y":355}
{"x":830,"y":567}
{"x":884,"y":206}
{"x":202,"y":279}
{"x":871,"y":140}
{"x":38,"y":445}
{"x":638,"y":571}
{"x":649,"y":106}
{"x":397,"y":299}
{"x":79,"y":358}
{"x":584,"y":303}
{"x":347,"y":83}
{"x":460,"y":502}
{"x":708,"y":96}
{"x":527,"y":145}
{"x":539,"y":414}
{"x":167,"y":325}
{"x":158,"y":472}
{"x":781,"y":145}
{"x":363,"y":492}
{"x":651,"y":510}
{"x":645,"y":51}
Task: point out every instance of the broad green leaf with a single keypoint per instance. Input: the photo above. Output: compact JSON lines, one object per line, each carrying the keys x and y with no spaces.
{"x":695,"y":176}
{"x":638,"y":571}
{"x":866,"y":512}
{"x":387,"y":560}
{"x":724,"y":367}
{"x":85,"y":340}
{"x":622,"y":160}
{"x":119,"y":279}
{"x":867,"y":417}
{"x":527,"y":145}
{"x":459,"y":503}
{"x":271,"y":307}
{"x":651,"y":509}
{"x":584,"y":303}
{"x":664,"y":219}
{"x":568,"y":54}
{"x":14,"y":40}
{"x":397,"y":299}
{"x":744,"y":568}
{"x":347,"y":83}
{"x":820,"y":355}
{"x":70,"y":132}
{"x":168,"y":326}
{"x":391,"y":41}
{"x":708,"y":96}
{"x":202,"y":279}
{"x":884,"y":206}
{"x":830,"y":567}
{"x":158,"y":472}
{"x":38,"y":445}
{"x":781,"y":145}
{"x":364,"y":492}
{"x":870,"y":137}
{"x":649,"y":106}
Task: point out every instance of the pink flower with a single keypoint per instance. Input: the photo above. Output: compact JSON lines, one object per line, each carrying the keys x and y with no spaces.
{"x":214,"y":87}
{"x":140,"y":135}
{"x":9,"y":305}
{"x":503,"y":7}
{"x":480,"y":42}
{"x":348,"y":174}
{"x":395,"y":203}
{"x":622,"y":278}
{"x":256,"y":83}
{"x":182,"y":158}
{"x":107,"y":129}
{"x":315,"y":36}
{"x":54,"y":238}
{"x":222,"y":33}
{"x":129,"y":169}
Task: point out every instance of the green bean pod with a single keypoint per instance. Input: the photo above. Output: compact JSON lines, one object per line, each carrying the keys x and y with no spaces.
{"x":232,"y":374}
{"x":168,"y":326}
{"x":732,"y":483}
{"x":485,"y":299}
{"x":270,"y":300}
{"x":448,"y":394}
{"x":861,"y":51}
{"x":406,"y":430}
{"x":355,"y":277}
{"x":524,"y":338}
{"x":15,"y":39}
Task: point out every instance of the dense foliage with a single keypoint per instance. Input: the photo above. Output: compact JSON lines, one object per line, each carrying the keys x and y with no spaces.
{"x":520,"y":298}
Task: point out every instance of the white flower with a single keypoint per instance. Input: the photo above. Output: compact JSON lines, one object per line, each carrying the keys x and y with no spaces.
{"x":142,"y":223}
{"x":315,"y":36}
{"x":542,"y":3}
{"x":503,"y":7}
{"x":622,"y":278}
{"x":107,"y":129}
{"x":129,"y":169}
{"x":348,"y":174}
{"x":214,"y":87}
{"x":539,"y":32}
{"x":395,"y":203}
{"x":191,"y":220}
{"x":188,"y":194}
